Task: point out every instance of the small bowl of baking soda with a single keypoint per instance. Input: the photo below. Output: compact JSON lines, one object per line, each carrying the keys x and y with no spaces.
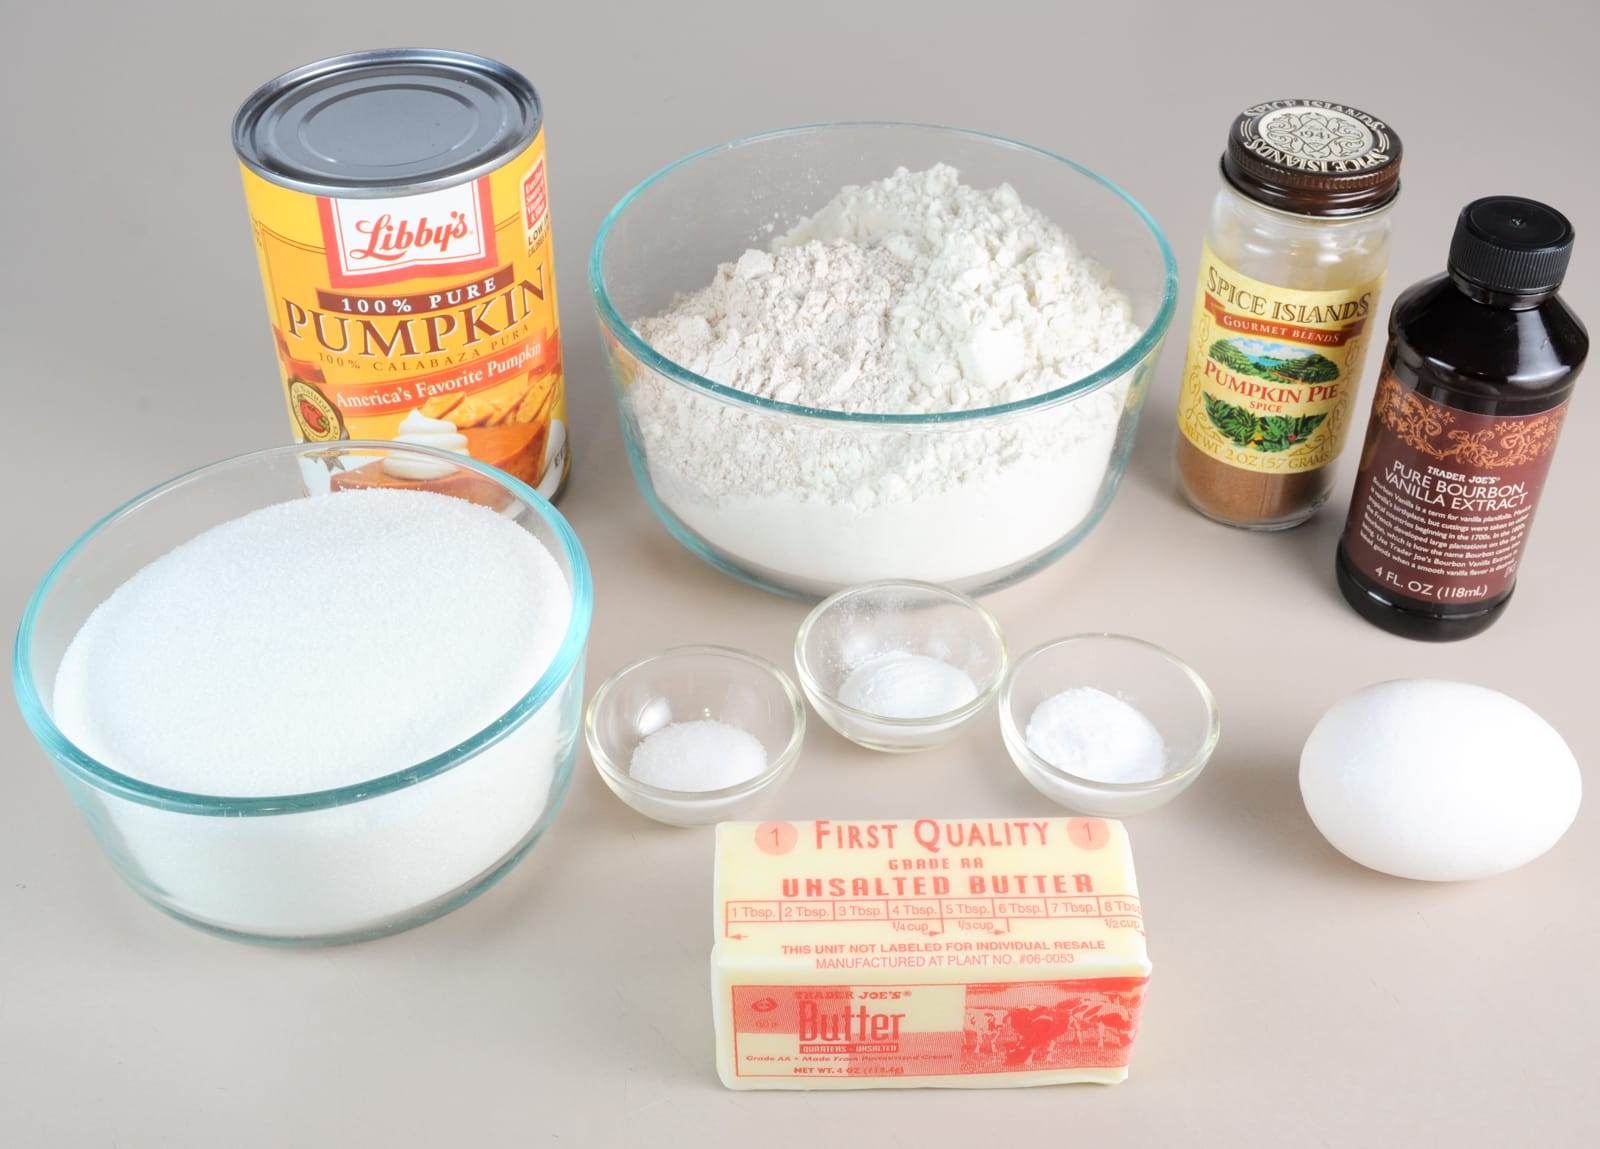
{"x":1106,"y":724}
{"x":899,"y":666}
{"x":696,"y":734}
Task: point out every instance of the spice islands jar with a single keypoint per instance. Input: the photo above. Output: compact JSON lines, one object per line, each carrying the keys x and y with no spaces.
{"x":1295,"y":252}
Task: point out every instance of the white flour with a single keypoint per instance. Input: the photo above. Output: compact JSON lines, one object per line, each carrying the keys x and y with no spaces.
{"x":916,"y":294}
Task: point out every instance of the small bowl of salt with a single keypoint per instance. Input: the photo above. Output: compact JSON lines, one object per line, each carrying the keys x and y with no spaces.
{"x":696,"y":734}
{"x":899,"y":665}
{"x":1106,"y":724}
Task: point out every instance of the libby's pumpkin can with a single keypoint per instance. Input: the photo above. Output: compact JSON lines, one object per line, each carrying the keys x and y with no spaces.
{"x":400,"y":209}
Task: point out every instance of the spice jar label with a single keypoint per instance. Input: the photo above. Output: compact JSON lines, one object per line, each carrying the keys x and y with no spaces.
{"x":1445,"y":497}
{"x":426,"y":318}
{"x":1271,"y":371}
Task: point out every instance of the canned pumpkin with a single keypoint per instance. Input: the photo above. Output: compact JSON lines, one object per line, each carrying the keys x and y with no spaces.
{"x":399,"y":206}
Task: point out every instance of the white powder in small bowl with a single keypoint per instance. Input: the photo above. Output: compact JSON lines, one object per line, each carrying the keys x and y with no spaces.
{"x":900,"y":684}
{"x":312,"y":645}
{"x":1091,"y":734}
{"x":697,"y":756}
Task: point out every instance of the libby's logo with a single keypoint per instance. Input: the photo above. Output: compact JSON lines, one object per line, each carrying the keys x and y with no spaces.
{"x":389,"y":239}
{"x":371,"y":241}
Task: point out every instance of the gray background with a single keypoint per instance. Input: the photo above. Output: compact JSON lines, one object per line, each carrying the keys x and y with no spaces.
{"x":1297,"y":999}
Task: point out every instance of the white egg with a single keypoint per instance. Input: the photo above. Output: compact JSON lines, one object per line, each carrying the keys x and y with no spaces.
{"x":1439,"y":781}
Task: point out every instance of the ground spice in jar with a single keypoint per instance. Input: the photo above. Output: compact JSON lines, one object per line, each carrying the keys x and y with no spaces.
{"x":1295,"y":252}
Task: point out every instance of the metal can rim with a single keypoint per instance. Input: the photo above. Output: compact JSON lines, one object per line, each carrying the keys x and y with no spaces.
{"x":265,"y":96}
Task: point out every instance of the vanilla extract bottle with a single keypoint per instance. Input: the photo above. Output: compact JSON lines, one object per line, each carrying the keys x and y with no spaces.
{"x":1481,"y":362}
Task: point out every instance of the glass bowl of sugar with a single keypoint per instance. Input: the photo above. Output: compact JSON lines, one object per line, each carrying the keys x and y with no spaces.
{"x":317,"y":693}
{"x":899,"y":665}
{"x":696,"y":734}
{"x":857,"y":351}
{"x":1106,"y":724}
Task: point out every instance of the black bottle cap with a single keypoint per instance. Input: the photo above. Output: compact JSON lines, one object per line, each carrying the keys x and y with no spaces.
{"x":1512,"y":245}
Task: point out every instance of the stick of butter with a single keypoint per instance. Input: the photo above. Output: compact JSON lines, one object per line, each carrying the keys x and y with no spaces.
{"x":934,"y":952}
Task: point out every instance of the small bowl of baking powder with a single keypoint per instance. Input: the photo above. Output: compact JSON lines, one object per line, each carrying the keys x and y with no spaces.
{"x":900,"y":665}
{"x":695,"y":734}
{"x":1106,"y":724}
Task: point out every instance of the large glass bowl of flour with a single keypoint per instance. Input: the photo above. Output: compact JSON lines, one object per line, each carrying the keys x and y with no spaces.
{"x":296,"y":709}
{"x":854,"y":352}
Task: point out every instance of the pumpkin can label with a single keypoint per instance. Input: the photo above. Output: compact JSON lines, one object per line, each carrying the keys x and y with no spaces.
{"x":1270,"y":372}
{"x":427,"y":318}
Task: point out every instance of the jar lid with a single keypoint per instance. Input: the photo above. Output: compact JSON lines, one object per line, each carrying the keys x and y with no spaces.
{"x":1313,"y":157}
{"x":1513,"y":245}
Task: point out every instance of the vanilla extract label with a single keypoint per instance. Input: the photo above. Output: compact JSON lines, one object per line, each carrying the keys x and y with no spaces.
{"x":1445,"y":497}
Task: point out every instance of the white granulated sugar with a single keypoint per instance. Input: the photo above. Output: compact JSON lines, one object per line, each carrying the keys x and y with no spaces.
{"x":900,"y":684}
{"x":1091,"y":734}
{"x":315,"y":644}
{"x":912,"y":295}
{"x":697,"y":756}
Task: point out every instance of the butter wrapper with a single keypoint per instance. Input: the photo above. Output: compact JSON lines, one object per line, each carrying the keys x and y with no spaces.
{"x":934,"y":952}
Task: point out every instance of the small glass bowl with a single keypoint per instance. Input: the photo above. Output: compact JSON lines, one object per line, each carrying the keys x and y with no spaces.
{"x":1162,"y":686}
{"x":685,"y":684}
{"x":864,"y":622}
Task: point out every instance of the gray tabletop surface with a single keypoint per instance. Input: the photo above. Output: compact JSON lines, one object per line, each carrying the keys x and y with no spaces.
{"x":1297,"y":1000}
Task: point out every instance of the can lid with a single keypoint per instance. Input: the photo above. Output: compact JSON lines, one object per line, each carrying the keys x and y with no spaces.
{"x":385,"y":123}
{"x":1513,"y":245}
{"x":1313,"y":157}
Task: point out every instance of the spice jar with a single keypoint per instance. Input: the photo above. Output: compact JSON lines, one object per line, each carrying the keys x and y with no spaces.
{"x":1294,"y":254}
{"x":1481,"y":361}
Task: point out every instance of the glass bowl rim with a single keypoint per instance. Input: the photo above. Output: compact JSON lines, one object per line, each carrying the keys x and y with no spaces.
{"x":959,"y":714}
{"x":104,"y":778}
{"x":622,"y":331}
{"x":1016,"y":741}
{"x":777,"y":765}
